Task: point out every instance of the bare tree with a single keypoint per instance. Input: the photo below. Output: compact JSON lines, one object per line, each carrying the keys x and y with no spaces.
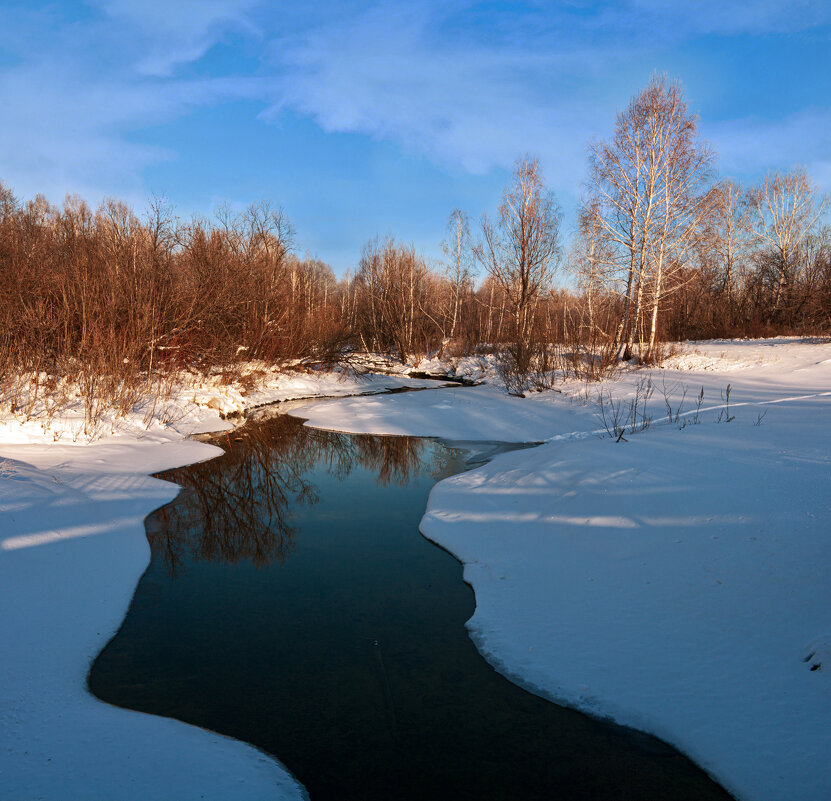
{"x":460,"y":265}
{"x":393,"y":281}
{"x":729,"y":232}
{"x":786,"y":208}
{"x":683,"y":203}
{"x":521,"y":249}
{"x":648,"y":184}
{"x":593,"y":261}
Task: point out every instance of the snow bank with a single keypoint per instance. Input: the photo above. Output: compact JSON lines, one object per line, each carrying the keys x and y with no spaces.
{"x":468,"y":413}
{"x":272,"y":386}
{"x":71,"y":551}
{"x":72,"y":548}
{"x":677,"y":582}
{"x":192,"y":403}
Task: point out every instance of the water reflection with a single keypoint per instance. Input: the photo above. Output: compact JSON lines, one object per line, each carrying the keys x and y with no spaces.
{"x":241,"y":507}
{"x":350,"y":660}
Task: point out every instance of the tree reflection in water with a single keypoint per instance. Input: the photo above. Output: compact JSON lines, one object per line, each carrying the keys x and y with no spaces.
{"x":350,"y":662}
{"x":237,"y":507}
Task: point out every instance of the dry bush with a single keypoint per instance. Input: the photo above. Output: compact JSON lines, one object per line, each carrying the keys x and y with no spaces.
{"x":110,"y":304}
{"x":104,"y":308}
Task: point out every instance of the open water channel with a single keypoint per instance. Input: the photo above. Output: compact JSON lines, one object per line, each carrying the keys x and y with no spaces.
{"x":292,"y":603}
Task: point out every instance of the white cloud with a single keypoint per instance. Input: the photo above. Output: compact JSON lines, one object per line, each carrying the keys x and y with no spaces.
{"x":462,"y":103}
{"x":474,"y":91}
{"x":74,"y":98}
{"x":752,"y":146}
{"x":469,"y":86}
{"x":176,"y":33}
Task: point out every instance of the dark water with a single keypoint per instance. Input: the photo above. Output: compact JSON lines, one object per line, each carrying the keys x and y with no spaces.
{"x":292,"y":603}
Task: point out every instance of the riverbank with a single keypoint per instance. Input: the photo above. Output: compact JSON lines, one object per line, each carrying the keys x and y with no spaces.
{"x":676,"y":581}
{"x":72,"y":548}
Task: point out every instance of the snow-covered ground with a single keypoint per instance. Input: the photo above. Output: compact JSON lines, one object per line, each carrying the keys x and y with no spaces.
{"x":72,"y":548}
{"x":678,"y":581}
{"x":192,"y":404}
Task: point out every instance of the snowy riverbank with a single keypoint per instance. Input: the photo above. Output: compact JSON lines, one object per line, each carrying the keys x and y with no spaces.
{"x":675,"y":581}
{"x":678,"y":581}
{"x":72,"y":548}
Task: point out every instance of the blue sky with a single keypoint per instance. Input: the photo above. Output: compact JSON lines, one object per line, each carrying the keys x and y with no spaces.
{"x":363,"y":118}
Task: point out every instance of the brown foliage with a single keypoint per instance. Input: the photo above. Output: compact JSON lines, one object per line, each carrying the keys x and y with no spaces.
{"x":110,"y":303}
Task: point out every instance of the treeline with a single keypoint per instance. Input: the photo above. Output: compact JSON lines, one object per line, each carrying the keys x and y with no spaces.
{"x":109,"y":301}
{"x":106,"y":299}
{"x":761,"y":266}
{"x":681,"y":255}
{"x":157,"y":292}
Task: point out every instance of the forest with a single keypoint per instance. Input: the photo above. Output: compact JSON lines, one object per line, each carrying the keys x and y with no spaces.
{"x":114,"y":302}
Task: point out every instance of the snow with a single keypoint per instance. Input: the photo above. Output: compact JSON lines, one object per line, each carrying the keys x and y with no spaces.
{"x":72,"y":549}
{"x":676,"y":582}
{"x":458,"y":413}
{"x":674,"y":591}
{"x":471,"y":368}
{"x":191,"y":404}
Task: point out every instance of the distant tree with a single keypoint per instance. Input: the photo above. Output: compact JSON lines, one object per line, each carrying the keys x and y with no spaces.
{"x":460,"y":264}
{"x":8,"y":203}
{"x":593,"y":261}
{"x":822,"y":275}
{"x":393,"y":280}
{"x":729,"y":233}
{"x":787,"y":207}
{"x":521,"y":248}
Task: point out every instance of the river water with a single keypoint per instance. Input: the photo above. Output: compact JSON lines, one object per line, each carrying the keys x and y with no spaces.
{"x":291,"y":603}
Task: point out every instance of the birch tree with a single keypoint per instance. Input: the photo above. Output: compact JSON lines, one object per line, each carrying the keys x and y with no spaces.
{"x":729,"y":234}
{"x":683,"y":203}
{"x":786,"y":209}
{"x":593,"y":262}
{"x":649,"y":184}
{"x":460,"y":264}
{"x":521,"y":248}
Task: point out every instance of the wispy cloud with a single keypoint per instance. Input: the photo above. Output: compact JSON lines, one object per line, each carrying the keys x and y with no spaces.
{"x":176,"y":33}
{"x":474,"y":90}
{"x":752,"y":145}
{"x":471,"y":86}
{"x":77,"y":92}
{"x":464,"y":101}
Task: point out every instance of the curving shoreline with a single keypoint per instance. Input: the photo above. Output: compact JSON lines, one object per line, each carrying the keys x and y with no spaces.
{"x":59,"y":597}
{"x":62,"y":601}
{"x":72,"y":549}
